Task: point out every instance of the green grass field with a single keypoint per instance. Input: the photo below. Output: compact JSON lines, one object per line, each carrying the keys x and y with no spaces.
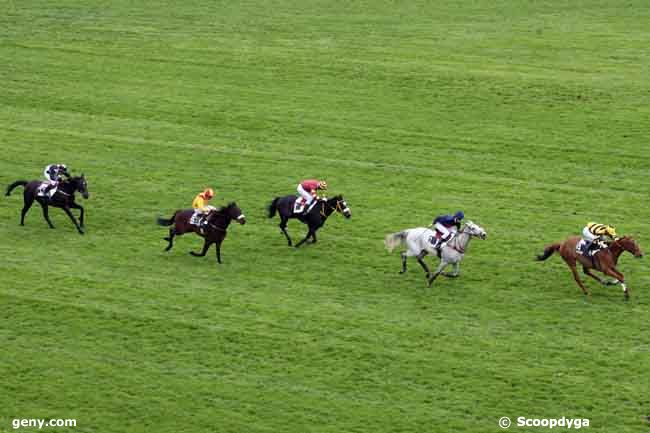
{"x":532,"y":117}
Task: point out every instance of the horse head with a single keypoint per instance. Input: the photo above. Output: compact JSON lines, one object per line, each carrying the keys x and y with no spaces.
{"x":235,"y":213}
{"x":473,"y":229}
{"x":77,"y":183}
{"x":340,"y":205}
{"x":627,"y":243}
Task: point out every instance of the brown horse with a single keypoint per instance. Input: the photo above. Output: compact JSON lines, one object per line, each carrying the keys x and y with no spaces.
{"x":604,"y":261}
{"x":215,"y":232}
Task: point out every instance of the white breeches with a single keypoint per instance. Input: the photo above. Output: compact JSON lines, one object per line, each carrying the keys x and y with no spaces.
{"x":305,"y":194}
{"x":444,"y":231}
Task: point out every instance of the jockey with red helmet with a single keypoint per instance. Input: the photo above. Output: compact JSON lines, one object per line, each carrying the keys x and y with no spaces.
{"x":308,"y":189}
{"x":445,"y":226}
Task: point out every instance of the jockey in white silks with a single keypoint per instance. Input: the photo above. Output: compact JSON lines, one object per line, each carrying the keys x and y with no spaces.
{"x":54,"y":175}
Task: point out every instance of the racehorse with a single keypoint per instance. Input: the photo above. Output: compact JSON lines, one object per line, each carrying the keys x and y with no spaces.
{"x":63,"y":198}
{"x":215,"y":232}
{"x":604,"y":260}
{"x":314,"y":218}
{"x":419,"y":243}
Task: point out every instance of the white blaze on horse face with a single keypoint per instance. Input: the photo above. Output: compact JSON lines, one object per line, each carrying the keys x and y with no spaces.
{"x":242,"y":216}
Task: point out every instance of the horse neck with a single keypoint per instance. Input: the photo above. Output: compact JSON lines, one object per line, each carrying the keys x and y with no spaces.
{"x":69,"y":186}
{"x":221,"y":217}
{"x":329,"y":209}
{"x":461,"y":240}
{"x":616,"y":249}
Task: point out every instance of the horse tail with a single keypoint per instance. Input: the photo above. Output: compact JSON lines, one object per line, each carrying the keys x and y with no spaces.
{"x":548,"y":251}
{"x":273,"y":207}
{"x":14,"y":185}
{"x":167,"y":222}
{"x":394,"y":240}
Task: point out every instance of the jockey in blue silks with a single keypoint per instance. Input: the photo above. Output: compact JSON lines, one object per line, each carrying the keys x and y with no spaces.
{"x":446,"y":226}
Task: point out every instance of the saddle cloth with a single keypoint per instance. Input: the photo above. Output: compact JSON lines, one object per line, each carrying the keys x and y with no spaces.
{"x":596,"y":247}
{"x":40,"y":192}
{"x":299,"y":206}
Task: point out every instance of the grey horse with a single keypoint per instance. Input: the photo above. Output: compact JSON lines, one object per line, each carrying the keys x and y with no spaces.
{"x":418,"y":243}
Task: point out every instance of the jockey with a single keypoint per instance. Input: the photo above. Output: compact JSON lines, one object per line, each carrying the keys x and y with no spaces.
{"x":593,"y":232}
{"x":200,"y":204}
{"x":308,"y":189}
{"x":445,"y":226}
{"x":54,"y":174}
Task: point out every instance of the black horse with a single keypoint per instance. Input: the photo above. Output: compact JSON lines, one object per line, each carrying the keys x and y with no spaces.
{"x":214,"y":233}
{"x":314,"y":218}
{"x":63,"y":198}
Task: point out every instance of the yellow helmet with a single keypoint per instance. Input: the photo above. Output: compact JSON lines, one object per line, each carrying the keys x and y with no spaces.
{"x":323,"y":184}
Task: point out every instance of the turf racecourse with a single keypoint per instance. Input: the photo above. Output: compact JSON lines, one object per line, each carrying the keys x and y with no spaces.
{"x":532,"y":117}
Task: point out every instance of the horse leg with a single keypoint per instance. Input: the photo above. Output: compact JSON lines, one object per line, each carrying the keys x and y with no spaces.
{"x":313,"y":237}
{"x":419,"y":258}
{"x":218,"y":246}
{"x":283,"y":227}
{"x":29,"y":201}
{"x":81,"y":213}
{"x":404,"y":256}
{"x":46,"y":214}
{"x":170,"y":239}
{"x":438,"y":271}
{"x":310,"y":233}
{"x":454,"y":273}
{"x":66,"y":209}
{"x":620,"y":280}
{"x":206,"y":246}
{"x":587,"y":271}
{"x":576,"y":277}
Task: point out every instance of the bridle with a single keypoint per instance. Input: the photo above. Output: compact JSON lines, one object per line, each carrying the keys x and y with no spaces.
{"x":339,"y":207}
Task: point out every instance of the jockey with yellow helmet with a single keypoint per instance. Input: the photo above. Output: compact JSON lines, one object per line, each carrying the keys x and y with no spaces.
{"x":593,"y":232}
{"x":200,"y":204}
{"x":308,"y":189}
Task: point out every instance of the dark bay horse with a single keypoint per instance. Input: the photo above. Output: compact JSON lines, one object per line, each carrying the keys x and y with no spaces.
{"x":604,"y":261}
{"x":314,"y":218}
{"x":215,"y":233}
{"x":63,"y":198}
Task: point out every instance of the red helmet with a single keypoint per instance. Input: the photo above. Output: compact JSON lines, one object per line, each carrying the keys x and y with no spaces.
{"x":208,"y":193}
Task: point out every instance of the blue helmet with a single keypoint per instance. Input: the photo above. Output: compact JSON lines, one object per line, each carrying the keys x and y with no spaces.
{"x":459,"y":215}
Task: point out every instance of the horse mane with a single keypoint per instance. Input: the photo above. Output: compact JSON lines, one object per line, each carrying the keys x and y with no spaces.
{"x":223,"y":209}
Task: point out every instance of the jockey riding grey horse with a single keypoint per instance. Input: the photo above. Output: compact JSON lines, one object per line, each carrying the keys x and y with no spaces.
{"x":419,"y":243}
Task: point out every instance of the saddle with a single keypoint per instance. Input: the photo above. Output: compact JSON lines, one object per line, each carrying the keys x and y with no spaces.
{"x":200,"y":219}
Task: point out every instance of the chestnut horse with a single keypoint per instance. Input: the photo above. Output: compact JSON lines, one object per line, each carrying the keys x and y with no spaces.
{"x":215,"y":233}
{"x":604,"y":261}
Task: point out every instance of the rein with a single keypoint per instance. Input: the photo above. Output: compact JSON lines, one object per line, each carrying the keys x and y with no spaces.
{"x":337,"y":208}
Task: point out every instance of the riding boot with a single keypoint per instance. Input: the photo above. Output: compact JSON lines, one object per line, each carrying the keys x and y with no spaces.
{"x":587,"y":248}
